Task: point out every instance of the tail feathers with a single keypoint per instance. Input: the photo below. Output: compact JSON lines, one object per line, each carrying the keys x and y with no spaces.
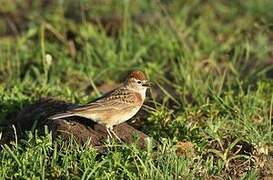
{"x":61,"y":115}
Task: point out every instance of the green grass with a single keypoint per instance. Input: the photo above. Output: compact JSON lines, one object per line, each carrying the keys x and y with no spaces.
{"x":211,"y":60}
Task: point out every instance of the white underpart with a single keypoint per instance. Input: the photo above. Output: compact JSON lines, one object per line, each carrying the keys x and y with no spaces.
{"x":143,"y":92}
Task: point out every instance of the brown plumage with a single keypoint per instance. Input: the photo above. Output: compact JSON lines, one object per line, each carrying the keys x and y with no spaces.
{"x":115,"y":107}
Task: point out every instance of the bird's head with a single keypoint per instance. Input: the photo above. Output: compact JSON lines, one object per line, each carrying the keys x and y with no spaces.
{"x":137,"y":81}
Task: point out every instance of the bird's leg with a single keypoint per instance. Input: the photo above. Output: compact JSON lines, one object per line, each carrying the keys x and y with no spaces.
{"x":109,"y":132}
{"x":113,"y":132}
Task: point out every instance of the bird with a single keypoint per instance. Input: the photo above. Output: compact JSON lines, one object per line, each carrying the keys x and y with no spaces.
{"x":116,"y":106}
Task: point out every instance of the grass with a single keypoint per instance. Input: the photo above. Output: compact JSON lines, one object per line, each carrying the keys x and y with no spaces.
{"x":211,"y":61}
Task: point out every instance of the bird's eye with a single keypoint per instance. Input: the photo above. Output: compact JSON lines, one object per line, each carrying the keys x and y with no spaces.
{"x":139,"y":82}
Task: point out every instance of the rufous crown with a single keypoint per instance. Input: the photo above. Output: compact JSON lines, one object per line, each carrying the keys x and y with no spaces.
{"x":137,"y":75}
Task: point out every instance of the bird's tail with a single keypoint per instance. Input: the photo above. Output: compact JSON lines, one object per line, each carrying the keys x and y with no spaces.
{"x":61,"y":115}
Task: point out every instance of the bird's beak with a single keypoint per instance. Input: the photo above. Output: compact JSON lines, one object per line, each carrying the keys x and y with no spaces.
{"x":147,"y":84}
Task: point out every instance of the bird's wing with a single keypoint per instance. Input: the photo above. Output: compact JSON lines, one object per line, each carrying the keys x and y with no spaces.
{"x":117,"y":99}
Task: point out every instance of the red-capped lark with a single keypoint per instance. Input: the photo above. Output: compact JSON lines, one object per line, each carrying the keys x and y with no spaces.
{"x":115,"y":107}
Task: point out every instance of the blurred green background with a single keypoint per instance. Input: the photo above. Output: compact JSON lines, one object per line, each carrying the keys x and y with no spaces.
{"x":210,"y":61}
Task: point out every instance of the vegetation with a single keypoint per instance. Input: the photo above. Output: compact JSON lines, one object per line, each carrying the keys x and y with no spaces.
{"x":210,"y":61}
